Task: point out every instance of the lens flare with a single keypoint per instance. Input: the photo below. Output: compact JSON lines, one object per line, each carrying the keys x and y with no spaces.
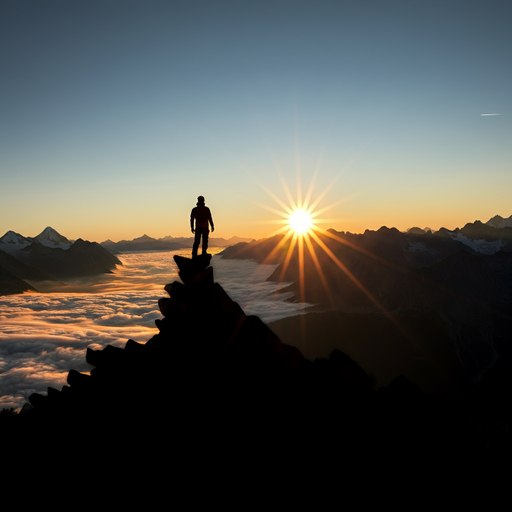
{"x":300,"y":221}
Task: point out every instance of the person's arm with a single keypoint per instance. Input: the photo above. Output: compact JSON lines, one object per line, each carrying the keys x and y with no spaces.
{"x":192,"y":221}
{"x":211,"y":220}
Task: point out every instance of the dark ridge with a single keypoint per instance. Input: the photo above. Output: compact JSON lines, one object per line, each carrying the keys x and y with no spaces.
{"x":258,"y":250}
{"x":10,"y":284}
{"x":83,"y":258}
{"x":21,"y":270}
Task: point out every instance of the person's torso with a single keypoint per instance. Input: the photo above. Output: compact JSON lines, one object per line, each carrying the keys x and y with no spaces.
{"x":202,"y":216}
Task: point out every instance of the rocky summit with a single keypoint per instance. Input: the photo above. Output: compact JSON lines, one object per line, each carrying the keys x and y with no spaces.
{"x":215,"y":382}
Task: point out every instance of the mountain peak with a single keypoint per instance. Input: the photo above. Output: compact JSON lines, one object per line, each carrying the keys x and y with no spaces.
{"x":495,"y":221}
{"x":13,"y":241}
{"x":12,"y":237}
{"x":49,"y":233}
{"x":499,"y":222}
{"x":51,"y":238}
{"x":415,"y":231}
{"x":143,"y":238}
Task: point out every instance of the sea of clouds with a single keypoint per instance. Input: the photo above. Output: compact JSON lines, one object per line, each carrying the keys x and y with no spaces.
{"x":44,"y":335}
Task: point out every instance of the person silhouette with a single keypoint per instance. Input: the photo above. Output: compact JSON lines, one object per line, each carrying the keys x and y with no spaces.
{"x":202,"y":216}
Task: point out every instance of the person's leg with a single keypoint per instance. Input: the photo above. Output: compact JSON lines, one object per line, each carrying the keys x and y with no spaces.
{"x":205,"y":241}
{"x":197,"y":237}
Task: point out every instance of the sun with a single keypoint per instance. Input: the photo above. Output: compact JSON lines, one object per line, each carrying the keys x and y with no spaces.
{"x":300,"y":221}
{"x":302,"y":240}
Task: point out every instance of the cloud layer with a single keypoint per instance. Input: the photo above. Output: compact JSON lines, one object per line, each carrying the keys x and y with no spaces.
{"x":44,"y":335}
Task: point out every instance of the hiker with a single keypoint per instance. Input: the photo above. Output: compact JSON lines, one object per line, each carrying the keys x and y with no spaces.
{"x":202,"y":216}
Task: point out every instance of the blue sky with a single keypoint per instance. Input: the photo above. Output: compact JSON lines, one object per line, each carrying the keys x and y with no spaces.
{"x":115,"y":115}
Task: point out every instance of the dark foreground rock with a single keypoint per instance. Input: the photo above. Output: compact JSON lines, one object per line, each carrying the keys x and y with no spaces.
{"x":216,"y":384}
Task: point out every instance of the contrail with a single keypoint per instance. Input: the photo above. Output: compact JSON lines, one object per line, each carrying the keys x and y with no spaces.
{"x":490,"y":114}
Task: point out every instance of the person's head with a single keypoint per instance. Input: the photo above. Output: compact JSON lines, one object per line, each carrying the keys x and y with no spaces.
{"x":200,"y":201}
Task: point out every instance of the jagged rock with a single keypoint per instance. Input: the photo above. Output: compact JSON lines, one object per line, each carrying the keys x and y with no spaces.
{"x":37,"y":400}
{"x":192,"y":268}
{"x":134,"y":347}
{"x":404,"y":391}
{"x":26,"y":408}
{"x":78,"y":380}
{"x":164,"y":305}
{"x":347,"y":370}
{"x":109,"y":355}
{"x":53,"y":392}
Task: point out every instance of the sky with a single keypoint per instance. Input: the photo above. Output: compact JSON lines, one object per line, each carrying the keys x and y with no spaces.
{"x":116,"y":114}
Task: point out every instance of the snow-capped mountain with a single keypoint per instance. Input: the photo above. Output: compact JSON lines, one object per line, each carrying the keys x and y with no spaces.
{"x":13,"y":241}
{"x":49,"y":237}
{"x":49,"y":256}
{"x":482,"y":246}
{"x":489,"y":238}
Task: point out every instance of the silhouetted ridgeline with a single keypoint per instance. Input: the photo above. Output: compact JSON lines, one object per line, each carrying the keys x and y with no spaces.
{"x":217,"y":383}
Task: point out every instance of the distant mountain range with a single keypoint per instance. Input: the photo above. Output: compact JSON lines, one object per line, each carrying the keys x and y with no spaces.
{"x":499,"y":222}
{"x":48,"y":256}
{"x":167,"y":243}
{"x":486,"y":238}
{"x":455,"y":284}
